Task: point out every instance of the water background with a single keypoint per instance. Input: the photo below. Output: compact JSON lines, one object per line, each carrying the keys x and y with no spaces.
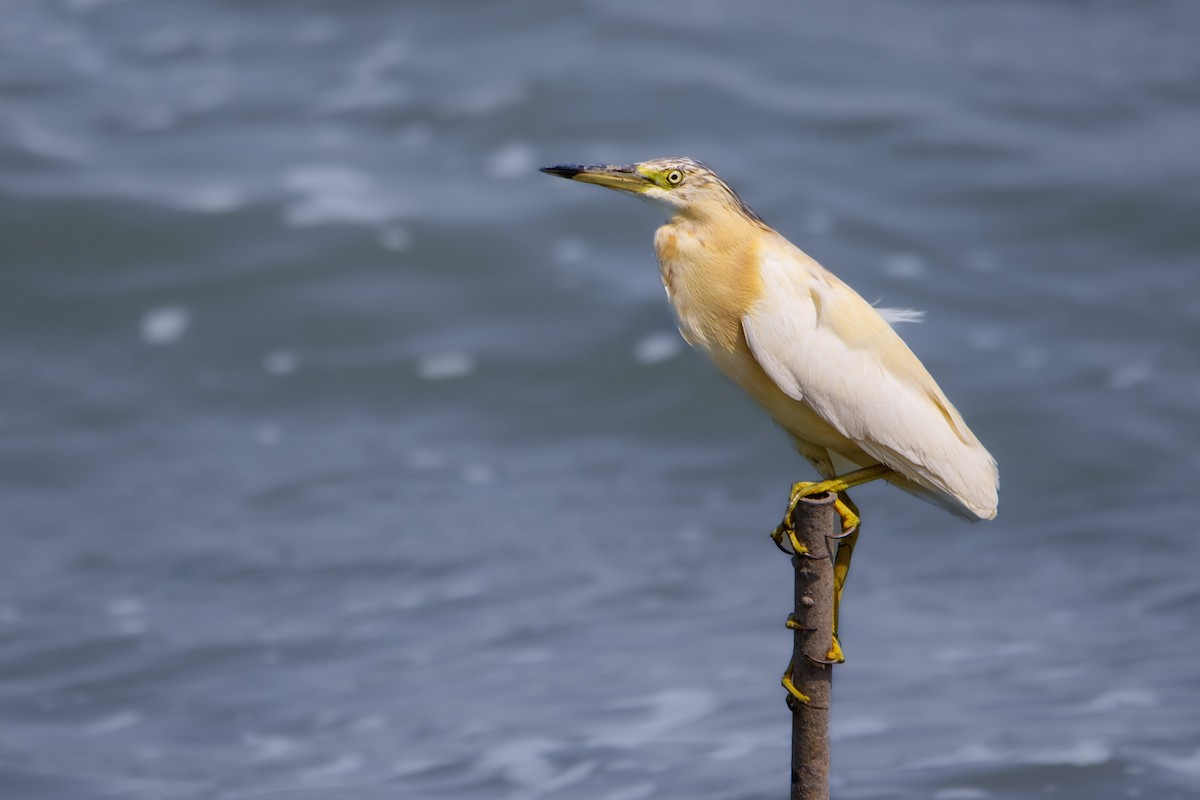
{"x":343,"y":455}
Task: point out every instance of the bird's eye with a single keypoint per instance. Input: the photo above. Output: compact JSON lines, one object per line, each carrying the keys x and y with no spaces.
{"x":674,"y":177}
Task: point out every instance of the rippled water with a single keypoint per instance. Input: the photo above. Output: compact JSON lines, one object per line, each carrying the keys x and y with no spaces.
{"x":345,"y":455}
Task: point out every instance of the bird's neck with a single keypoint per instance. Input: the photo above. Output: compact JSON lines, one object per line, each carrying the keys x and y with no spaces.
{"x":710,"y":270}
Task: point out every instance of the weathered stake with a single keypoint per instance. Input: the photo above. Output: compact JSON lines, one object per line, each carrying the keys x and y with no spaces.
{"x":816,"y":523}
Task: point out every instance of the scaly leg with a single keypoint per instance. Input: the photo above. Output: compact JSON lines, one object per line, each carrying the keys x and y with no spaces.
{"x":841,"y":568}
{"x":846,"y":510}
{"x":845,"y":548}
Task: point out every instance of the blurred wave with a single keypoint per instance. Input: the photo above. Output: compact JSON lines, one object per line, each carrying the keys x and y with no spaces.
{"x":345,"y":455}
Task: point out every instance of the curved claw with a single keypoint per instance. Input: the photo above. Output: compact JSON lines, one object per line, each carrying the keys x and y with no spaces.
{"x":798,"y":548}
{"x":849,"y":515}
{"x":846,"y":532}
{"x":827,"y":661}
{"x":777,"y":537}
{"x":792,"y":625}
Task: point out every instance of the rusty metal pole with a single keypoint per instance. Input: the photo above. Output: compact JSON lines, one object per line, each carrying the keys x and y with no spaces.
{"x":815,"y":524}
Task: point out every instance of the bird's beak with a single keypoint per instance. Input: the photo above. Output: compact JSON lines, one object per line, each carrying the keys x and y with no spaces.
{"x":622,"y":178}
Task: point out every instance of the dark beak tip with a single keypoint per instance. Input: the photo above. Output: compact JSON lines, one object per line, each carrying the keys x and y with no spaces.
{"x":563,"y":170}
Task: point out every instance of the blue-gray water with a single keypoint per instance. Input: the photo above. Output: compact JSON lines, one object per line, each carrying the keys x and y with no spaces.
{"x":343,"y":455}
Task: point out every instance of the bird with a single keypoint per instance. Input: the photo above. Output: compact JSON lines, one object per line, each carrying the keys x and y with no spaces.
{"x":825,"y":364}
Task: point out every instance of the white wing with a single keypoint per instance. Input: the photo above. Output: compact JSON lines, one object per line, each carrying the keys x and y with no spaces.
{"x":827,"y":348}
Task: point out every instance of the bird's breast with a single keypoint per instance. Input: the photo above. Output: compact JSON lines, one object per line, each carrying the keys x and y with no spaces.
{"x":712,"y":280}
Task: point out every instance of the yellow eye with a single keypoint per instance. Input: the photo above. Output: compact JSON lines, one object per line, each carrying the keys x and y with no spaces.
{"x":674,"y":177}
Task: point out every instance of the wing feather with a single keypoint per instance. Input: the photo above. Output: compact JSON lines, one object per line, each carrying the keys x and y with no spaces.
{"x":824,"y":346}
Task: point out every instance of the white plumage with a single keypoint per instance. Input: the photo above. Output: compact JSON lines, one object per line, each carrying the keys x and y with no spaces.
{"x":826,"y":348}
{"x":824,"y":363}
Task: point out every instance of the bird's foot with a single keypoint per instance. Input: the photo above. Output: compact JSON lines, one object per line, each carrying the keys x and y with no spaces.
{"x":794,"y":694}
{"x":840,"y":484}
{"x":833,"y":656}
{"x":787,"y":529}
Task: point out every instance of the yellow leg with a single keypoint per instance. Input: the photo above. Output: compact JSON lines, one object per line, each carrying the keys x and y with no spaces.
{"x":846,"y":509}
{"x":850,"y":519}
{"x":838,"y":484}
{"x":786,"y":682}
{"x":841,"y":568}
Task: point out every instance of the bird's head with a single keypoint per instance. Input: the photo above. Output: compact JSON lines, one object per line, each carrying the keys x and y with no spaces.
{"x":677,"y":186}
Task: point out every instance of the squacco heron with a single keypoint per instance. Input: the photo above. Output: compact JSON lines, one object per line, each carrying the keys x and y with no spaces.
{"x":823,"y":362}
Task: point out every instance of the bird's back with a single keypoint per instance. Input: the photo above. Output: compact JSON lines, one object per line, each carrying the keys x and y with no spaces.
{"x":823,"y":362}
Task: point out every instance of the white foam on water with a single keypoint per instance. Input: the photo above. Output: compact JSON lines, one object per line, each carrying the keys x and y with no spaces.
{"x":968,"y":754}
{"x":1032,"y":357}
{"x":88,"y":5}
{"x":983,"y":261}
{"x":639,"y":791}
{"x":1087,"y":753}
{"x":668,"y":711}
{"x":372,"y":81}
{"x":953,"y":655}
{"x":1119,"y":699}
{"x":463,"y":588}
{"x":381,"y":59}
{"x":478,"y":474}
{"x":415,"y":765}
{"x":960,"y":793}
{"x":334,"y":193}
{"x":165,"y":324}
{"x":512,"y":160}
{"x":424,"y":458}
{"x":1187,"y":765}
{"x":269,"y":748}
{"x":281,"y":362}
{"x":153,"y":118}
{"x":738,"y":745}
{"x":416,"y":134}
{"x":856,"y":727}
{"x":126,"y":607}
{"x":905,"y":266}
{"x":209,"y":199}
{"x":345,"y":764}
{"x":113,"y":722}
{"x":128,"y":615}
{"x":39,"y":140}
{"x":522,"y":761}
{"x":525,"y":762}
{"x":485,"y":98}
{"x":657,"y":347}
{"x":371,"y":722}
{"x":1129,"y":375}
{"x":268,"y":434}
{"x":529,"y":656}
{"x":442,"y":366}
{"x":408,"y":599}
{"x":316,"y":30}
{"x":569,"y":251}
{"x":984,"y":338}
{"x":395,"y":238}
